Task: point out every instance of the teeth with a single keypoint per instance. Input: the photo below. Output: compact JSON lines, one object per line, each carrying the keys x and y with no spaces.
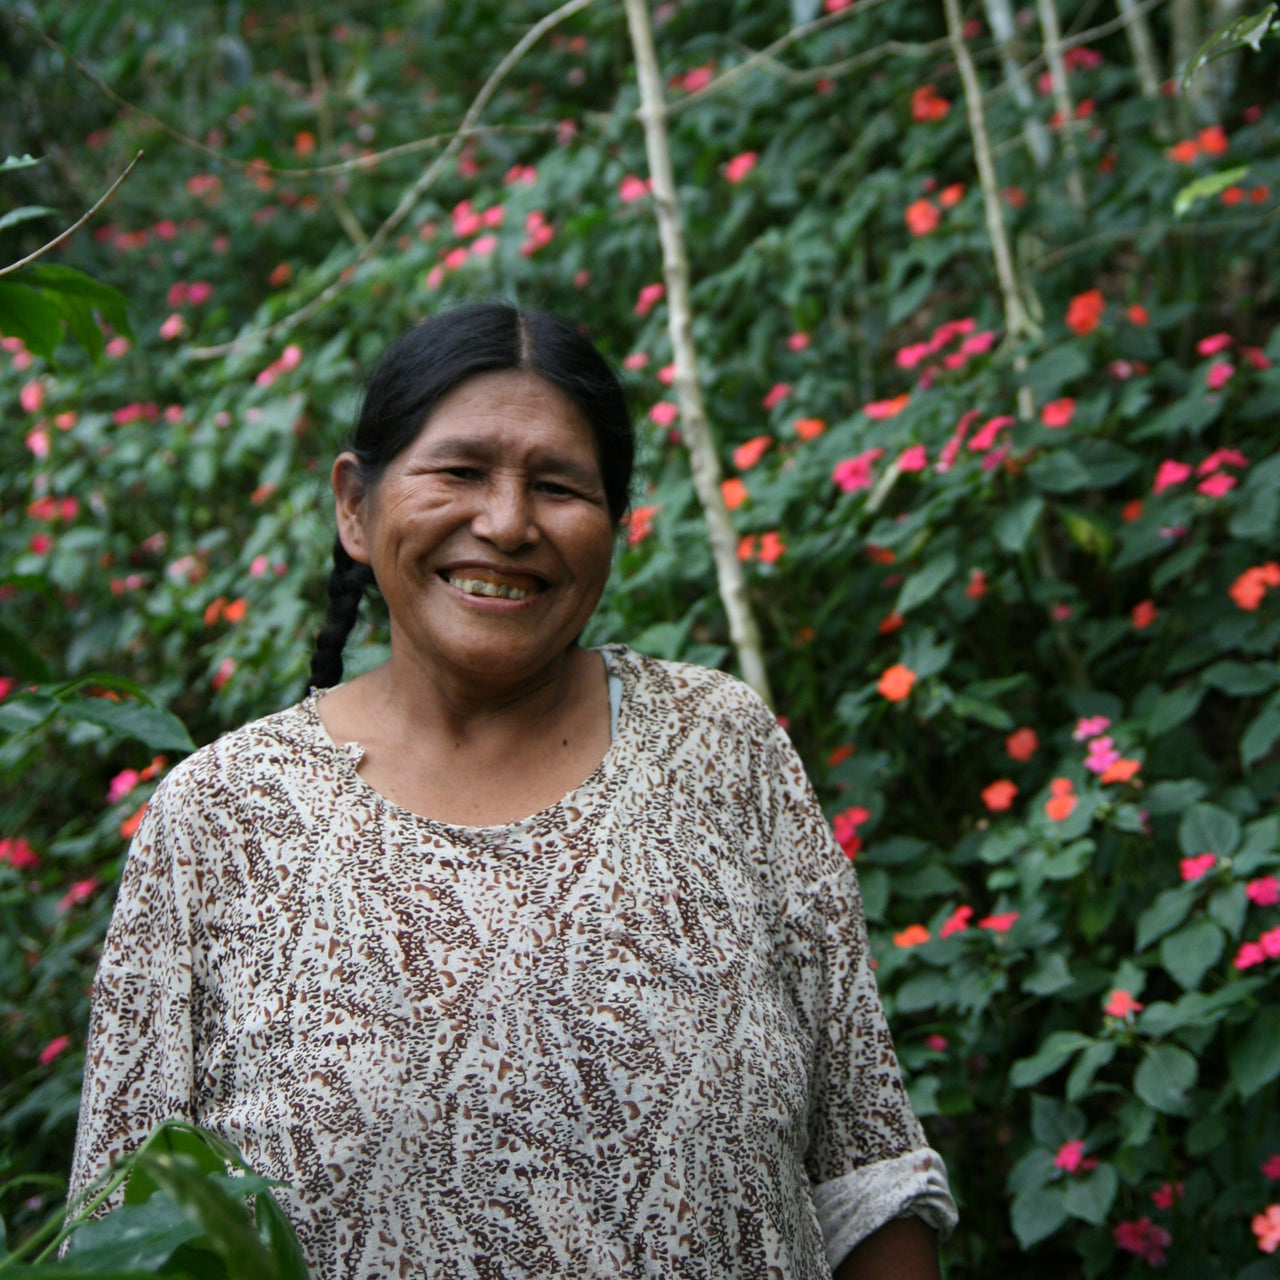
{"x":479,"y":587}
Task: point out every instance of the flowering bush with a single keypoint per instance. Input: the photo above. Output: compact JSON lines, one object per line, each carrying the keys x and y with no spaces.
{"x":1018,"y":590}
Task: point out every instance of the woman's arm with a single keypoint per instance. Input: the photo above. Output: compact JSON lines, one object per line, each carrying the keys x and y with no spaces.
{"x":904,"y":1249}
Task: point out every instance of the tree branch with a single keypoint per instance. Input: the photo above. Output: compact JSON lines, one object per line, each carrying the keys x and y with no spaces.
{"x":703,"y":460}
{"x":75,"y":226}
{"x":411,"y":195}
{"x":1052,"y":35}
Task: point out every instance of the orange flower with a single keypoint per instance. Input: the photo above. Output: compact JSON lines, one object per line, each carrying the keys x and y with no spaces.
{"x":745,"y":456}
{"x":213,"y":610}
{"x":922,"y":217}
{"x":1062,"y":800}
{"x":235,"y":611}
{"x":912,"y":936}
{"x":1137,"y":314}
{"x":1250,"y":587}
{"x":976,"y":587}
{"x":133,"y":822}
{"x":808,"y":428}
{"x":1021,"y":745}
{"x":999,"y":795}
{"x":879,"y":555}
{"x":840,"y":753}
{"x":771,"y":547}
{"x":890,"y":623}
{"x":1120,"y":1003}
{"x":1213,"y":140}
{"x":878,"y":410}
{"x":1121,"y":771}
{"x":1184,"y":152}
{"x":1131,"y":511}
{"x":1085,"y":310}
{"x":896,"y":681}
{"x":1144,"y":613}
{"x":734,"y":493}
{"x":951,"y":195}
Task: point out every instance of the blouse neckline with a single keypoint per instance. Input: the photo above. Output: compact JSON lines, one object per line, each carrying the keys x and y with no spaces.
{"x":570,"y":806}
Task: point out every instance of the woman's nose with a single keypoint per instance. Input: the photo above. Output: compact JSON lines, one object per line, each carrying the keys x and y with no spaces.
{"x":505,"y":516}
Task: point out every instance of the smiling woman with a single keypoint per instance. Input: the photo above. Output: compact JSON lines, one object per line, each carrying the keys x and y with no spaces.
{"x":509,"y":957}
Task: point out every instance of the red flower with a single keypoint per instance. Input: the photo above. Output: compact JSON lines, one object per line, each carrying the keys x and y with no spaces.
{"x":1184,"y":152}
{"x":1058,"y":413}
{"x":895,"y":682}
{"x":1021,"y":745}
{"x":956,"y":922}
{"x":808,"y":428}
{"x":1085,"y":311}
{"x":745,"y":456}
{"x":845,"y":827}
{"x":1250,"y":587}
{"x":1213,"y":140}
{"x":922,"y":217}
{"x":912,"y":936}
{"x":1120,"y":1003}
{"x":740,"y":166}
{"x":777,"y":394}
{"x":999,"y":795}
{"x":1200,"y":865}
{"x":927,"y":105}
{"x":1143,"y":1238}
{"x":1143,"y":614}
{"x":640,"y":524}
{"x":879,"y":410}
{"x":734,"y":492}
{"x":1001,"y":923}
{"x":18,"y":854}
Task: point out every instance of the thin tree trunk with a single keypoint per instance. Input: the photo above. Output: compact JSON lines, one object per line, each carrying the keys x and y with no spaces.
{"x":1004,"y":28}
{"x":703,"y":460}
{"x":1184,"y":40}
{"x":1017,"y":323}
{"x":1052,"y":36}
{"x":1138,"y":32}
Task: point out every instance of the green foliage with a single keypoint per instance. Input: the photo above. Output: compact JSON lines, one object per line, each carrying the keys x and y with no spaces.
{"x":959,"y":548}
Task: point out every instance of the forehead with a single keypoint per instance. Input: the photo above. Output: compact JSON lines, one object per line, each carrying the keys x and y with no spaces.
{"x":513,"y":411}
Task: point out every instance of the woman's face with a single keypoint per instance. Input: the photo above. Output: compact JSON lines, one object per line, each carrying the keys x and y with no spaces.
{"x":489,"y":536}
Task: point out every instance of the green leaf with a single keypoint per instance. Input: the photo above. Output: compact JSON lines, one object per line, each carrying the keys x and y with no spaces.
{"x":1205,"y":828}
{"x":1164,"y":1079}
{"x":156,"y":728}
{"x":1262,"y":733}
{"x":924,"y":584}
{"x":21,"y":658}
{"x":1189,"y":954}
{"x":1050,"y":975}
{"x":1054,"y":1122}
{"x":1172,"y":708}
{"x":141,"y":1236}
{"x":1087,"y":1066}
{"x":1206,"y":187}
{"x":925,"y":991}
{"x":278,"y":1235}
{"x":1056,"y":1050}
{"x":1090,"y":1197}
{"x":1228,"y":906}
{"x":1168,"y":911}
{"x":1205,"y":1134}
{"x":1248,"y":30}
{"x":20,"y":162}
{"x":1049,"y":373}
{"x":1015,"y":525}
{"x":1037,"y":1214}
{"x":1059,"y":471}
{"x":27,"y":314}
{"x":26,"y":711}
{"x":1242,"y":679}
{"x":24,"y":213}
{"x":1254,"y":1059}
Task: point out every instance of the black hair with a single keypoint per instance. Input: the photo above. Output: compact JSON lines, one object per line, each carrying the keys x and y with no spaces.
{"x":430,"y":361}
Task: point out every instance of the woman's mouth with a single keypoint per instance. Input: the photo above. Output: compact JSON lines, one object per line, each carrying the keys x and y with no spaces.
{"x":487,"y":582}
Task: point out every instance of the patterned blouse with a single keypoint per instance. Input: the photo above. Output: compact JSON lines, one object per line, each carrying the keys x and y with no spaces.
{"x":635,"y":1034}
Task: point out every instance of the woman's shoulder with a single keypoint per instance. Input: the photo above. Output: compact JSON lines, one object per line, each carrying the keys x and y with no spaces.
{"x":700,"y":693}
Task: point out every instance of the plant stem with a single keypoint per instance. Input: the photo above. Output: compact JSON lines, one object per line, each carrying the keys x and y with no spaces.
{"x":704,"y":462}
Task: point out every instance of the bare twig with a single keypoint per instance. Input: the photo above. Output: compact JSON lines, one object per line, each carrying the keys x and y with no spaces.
{"x":783,"y":42}
{"x":1052,"y":34}
{"x":256,"y":166}
{"x":75,"y":226}
{"x":411,"y":195}
{"x":1018,"y":323}
{"x":703,"y":461}
{"x":1138,"y":32}
{"x":1004,"y":28}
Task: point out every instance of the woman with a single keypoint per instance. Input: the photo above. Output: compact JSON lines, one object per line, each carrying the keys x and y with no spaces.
{"x":513,"y":958}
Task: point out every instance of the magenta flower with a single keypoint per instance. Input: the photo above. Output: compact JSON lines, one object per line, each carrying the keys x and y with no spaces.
{"x":1169,"y":473}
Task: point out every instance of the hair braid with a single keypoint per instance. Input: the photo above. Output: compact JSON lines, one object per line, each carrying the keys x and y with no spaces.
{"x":348,"y":581}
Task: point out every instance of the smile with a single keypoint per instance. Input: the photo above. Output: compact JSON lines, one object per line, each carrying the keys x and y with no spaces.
{"x":474,"y":582}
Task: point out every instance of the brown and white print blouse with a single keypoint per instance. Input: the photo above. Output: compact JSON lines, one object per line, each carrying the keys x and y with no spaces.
{"x":635,"y":1034}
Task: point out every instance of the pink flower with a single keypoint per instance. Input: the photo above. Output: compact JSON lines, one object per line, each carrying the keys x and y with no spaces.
{"x":913,"y":458}
{"x":174,"y":327}
{"x":1070,"y":1155}
{"x":667,"y":374}
{"x":78,"y":892}
{"x":53,"y":1048}
{"x":37,"y":441}
{"x":956,"y":922}
{"x":1249,"y":954}
{"x":978,"y":344}
{"x":1000,"y":923}
{"x":1102,"y":755}
{"x":636,"y":360}
{"x":117,"y":347}
{"x":1271,"y":1168}
{"x":1163,"y":1197}
{"x":1145,"y":1239}
{"x":31,"y":397}
{"x":121,"y":785}
{"x":1169,"y":473}
{"x":1211,"y":345}
{"x":1217,"y":485}
{"x":777,"y":394}
{"x":483,"y":246}
{"x":879,"y":410}
{"x":649,"y":297}
{"x":1090,"y":727}
{"x":664,"y":413}
{"x":910,"y":356}
{"x":1270,"y":943}
{"x":1222,"y":458}
{"x":854,"y":474}
{"x":740,"y":166}
{"x":937,"y":1043}
{"x":1266,"y":1226}
{"x":922,"y":217}
{"x":1194,"y":868}
{"x":1264,"y":891}
{"x":798,"y":341}
{"x":1119,"y":1004}
{"x":631,"y":188}
{"x":845,"y":828}
{"x":1219,"y":374}
{"x":226,"y":669}
{"x":985,"y":436}
{"x":18,"y":854}
{"x":1058,"y":413}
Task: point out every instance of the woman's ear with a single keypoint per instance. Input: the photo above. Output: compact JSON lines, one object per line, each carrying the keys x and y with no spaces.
{"x":349,"y":493}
